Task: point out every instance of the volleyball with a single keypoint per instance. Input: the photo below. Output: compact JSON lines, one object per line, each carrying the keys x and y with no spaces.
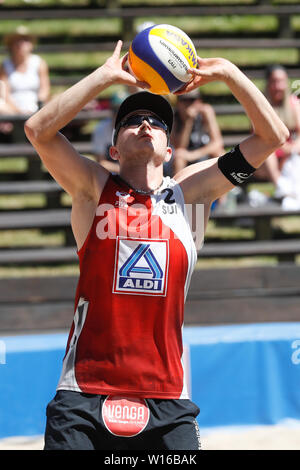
{"x":161,"y":55}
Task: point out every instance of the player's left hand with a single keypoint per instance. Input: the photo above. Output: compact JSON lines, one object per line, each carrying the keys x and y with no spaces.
{"x":208,"y":70}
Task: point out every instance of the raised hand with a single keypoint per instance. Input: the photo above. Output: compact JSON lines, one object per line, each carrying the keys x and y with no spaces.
{"x":208,"y":70}
{"x":116,"y":67}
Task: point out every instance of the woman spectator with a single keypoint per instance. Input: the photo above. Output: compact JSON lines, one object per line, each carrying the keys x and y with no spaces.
{"x":25,"y":74}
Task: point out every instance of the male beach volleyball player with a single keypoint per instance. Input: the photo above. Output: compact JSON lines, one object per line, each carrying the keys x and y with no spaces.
{"x":122,"y":381}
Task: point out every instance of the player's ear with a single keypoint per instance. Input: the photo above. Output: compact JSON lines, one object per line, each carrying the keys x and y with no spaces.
{"x":113,"y":153}
{"x":168,"y":155}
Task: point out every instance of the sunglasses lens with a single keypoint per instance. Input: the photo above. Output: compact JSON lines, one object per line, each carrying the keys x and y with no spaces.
{"x":137,"y":120}
{"x":153,"y":121}
{"x":133,"y":121}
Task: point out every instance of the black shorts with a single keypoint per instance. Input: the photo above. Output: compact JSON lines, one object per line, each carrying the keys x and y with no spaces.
{"x":75,"y":421}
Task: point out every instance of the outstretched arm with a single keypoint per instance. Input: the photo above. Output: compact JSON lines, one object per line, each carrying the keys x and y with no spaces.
{"x":76,"y":174}
{"x":204,"y":182}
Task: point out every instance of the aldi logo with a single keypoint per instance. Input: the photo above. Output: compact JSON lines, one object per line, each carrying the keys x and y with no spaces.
{"x":141,"y":266}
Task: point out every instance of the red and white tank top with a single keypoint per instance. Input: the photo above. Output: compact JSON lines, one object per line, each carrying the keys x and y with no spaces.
{"x":135,"y":269}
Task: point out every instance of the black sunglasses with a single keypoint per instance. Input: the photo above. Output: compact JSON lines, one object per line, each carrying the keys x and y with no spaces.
{"x":137,"y":119}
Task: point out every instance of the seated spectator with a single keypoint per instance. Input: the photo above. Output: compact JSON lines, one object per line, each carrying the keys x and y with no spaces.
{"x":196,"y":134}
{"x":281,"y":166}
{"x":102,"y":135}
{"x":25,"y":74}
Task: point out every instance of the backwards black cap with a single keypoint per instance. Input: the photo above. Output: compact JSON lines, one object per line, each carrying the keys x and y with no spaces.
{"x":149,"y":101}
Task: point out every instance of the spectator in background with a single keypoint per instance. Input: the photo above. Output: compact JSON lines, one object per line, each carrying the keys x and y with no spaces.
{"x":25,"y":74}
{"x":26,"y":77}
{"x":283,"y":166}
{"x":196,"y":136}
{"x":101,"y":137}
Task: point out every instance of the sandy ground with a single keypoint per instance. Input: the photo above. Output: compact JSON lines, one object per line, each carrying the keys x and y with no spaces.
{"x":279,"y":437}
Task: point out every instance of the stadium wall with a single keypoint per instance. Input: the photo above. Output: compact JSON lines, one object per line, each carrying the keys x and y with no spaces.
{"x":238,"y":375}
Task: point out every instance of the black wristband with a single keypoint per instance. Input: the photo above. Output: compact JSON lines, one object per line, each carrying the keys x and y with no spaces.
{"x":235,"y":167}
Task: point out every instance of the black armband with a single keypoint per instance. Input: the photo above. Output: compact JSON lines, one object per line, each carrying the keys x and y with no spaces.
{"x":235,"y":167}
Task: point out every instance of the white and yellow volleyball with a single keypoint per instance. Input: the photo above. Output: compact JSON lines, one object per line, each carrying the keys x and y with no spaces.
{"x":161,"y":55}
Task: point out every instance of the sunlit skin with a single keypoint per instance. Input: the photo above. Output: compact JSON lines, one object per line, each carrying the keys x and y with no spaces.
{"x":141,"y":151}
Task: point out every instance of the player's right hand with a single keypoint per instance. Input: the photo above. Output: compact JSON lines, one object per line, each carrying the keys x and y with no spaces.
{"x":118,"y":71}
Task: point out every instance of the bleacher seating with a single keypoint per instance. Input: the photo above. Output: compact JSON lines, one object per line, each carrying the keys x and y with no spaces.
{"x":216,"y":296}
{"x":284,"y":37}
{"x":284,"y":250}
{"x":32,"y":295}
